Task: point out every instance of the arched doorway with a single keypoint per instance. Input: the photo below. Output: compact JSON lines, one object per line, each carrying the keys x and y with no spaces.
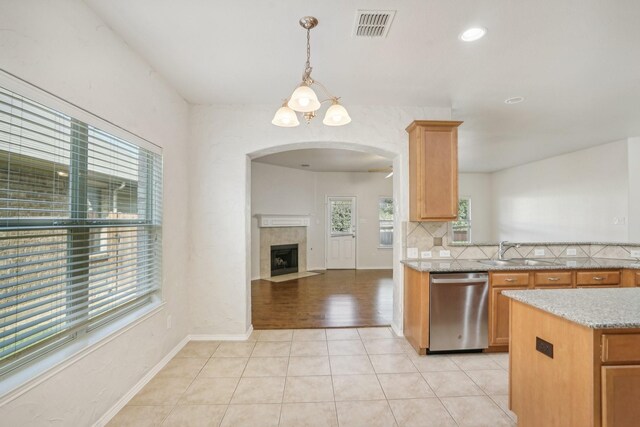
{"x":317,"y":227}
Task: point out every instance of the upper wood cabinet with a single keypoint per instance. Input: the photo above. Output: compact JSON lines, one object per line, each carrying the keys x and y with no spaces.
{"x":433,"y":170}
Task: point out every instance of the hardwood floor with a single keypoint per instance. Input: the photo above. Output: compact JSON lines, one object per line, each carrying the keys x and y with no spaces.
{"x":336,"y":298}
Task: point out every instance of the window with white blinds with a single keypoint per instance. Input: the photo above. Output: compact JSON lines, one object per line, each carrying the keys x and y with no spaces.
{"x":80,"y":228}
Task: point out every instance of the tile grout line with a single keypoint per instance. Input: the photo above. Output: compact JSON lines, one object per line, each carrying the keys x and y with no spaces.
{"x":333,"y":390}
{"x":286,"y":378}
{"x":238,"y":383}
{"x":190,"y":384}
{"x":434,"y":392}
{"x":378,"y":379}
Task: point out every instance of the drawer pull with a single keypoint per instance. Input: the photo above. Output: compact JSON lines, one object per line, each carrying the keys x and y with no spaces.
{"x":553,"y":279}
{"x":598,"y":278}
{"x":509,"y":279}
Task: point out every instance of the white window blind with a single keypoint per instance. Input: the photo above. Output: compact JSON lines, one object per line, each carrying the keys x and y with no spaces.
{"x":80,"y":228}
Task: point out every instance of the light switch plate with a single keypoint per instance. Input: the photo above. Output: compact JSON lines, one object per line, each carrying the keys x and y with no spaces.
{"x":425,"y":254}
{"x":571,"y":252}
{"x":445,"y":254}
{"x":538,"y":252}
{"x":635,"y":254}
{"x":412,"y":253}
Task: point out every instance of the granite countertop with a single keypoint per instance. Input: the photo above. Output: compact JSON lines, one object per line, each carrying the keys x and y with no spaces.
{"x":445,"y":265}
{"x":594,"y":308}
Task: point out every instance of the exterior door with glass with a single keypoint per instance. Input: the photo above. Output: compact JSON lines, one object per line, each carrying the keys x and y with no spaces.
{"x":341,"y":239}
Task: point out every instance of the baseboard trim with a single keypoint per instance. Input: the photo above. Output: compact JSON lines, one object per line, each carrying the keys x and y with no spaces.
{"x":161,"y":364}
{"x":222,"y":337}
{"x":140,"y":384}
{"x":397,"y":330}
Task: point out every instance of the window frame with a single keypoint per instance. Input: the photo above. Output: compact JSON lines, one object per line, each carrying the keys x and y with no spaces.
{"x":380,"y":221}
{"x":23,"y":371}
{"x":469,"y":222}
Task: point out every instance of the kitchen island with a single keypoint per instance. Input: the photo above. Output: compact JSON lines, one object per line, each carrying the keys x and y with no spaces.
{"x":575,"y":357}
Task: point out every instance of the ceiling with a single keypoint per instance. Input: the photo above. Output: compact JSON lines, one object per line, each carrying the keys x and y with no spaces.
{"x":577,"y":63}
{"x":327,"y":160}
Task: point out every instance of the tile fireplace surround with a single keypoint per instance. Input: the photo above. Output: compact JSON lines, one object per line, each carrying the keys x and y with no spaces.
{"x":270,"y":236}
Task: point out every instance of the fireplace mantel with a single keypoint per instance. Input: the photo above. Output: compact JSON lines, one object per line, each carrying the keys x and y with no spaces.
{"x":283,"y":220}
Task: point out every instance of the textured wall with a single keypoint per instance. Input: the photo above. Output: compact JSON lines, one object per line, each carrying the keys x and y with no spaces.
{"x":64,"y":48}
{"x":221,"y":139}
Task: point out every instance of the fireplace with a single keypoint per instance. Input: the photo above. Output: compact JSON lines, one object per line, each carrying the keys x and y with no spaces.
{"x":284,"y":259}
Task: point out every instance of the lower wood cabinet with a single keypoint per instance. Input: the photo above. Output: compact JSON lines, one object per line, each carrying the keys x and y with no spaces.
{"x":590,"y":378}
{"x":416,"y":297}
{"x":499,"y":316}
{"x":416,"y":309}
{"x":541,"y":279}
{"x":620,"y":396}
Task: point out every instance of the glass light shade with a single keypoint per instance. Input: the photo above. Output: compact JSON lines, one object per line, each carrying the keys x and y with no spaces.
{"x":304,"y":99}
{"x":285,"y":117}
{"x":336,"y":116}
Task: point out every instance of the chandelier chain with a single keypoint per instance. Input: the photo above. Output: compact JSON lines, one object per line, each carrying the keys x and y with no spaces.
{"x":307,"y":70}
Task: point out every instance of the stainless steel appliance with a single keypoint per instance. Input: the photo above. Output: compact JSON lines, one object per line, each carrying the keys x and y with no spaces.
{"x":458,"y":311}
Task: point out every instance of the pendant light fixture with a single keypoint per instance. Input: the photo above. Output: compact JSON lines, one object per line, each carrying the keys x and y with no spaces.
{"x":304,"y":100}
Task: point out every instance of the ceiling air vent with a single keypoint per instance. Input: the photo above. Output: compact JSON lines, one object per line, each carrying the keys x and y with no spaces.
{"x":373,"y":23}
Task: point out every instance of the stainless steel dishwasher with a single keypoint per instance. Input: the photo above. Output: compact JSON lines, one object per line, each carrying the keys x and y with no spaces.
{"x":458,"y":312}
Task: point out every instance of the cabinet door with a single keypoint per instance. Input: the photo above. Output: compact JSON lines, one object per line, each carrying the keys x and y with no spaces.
{"x":499,"y":317}
{"x":620,"y":396}
{"x":416,"y":309}
{"x":433,"y":170}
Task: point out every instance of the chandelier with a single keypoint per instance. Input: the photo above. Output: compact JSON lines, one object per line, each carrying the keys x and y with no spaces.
{"x":304,"y":100}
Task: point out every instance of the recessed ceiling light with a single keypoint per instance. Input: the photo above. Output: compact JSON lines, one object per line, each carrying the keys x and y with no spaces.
{"x":63,"y":174}
{"x":473,"y":34}
{"x":514,"y":100}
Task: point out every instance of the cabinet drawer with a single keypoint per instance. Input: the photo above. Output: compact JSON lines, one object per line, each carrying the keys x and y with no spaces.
{"x":620,"y":348}
{"x":598,"y":278}
{"x":509,"y":279}
{"x":552,"y":278}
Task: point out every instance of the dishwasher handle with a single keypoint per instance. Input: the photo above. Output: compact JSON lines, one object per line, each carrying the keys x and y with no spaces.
{"x":475,"y":280}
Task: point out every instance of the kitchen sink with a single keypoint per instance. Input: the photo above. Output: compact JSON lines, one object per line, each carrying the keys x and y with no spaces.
{"x":497,"y":262}
{"x":534,"y":262}
{"x":513,"y":262}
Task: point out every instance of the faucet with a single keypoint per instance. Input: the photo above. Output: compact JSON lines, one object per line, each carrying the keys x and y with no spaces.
{"x":504,"y":247}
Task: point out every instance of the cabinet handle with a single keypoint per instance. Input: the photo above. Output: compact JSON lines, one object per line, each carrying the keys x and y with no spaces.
{"x":553,"y":279}
{"x":598,"y":278}
{"x":509,"y":279}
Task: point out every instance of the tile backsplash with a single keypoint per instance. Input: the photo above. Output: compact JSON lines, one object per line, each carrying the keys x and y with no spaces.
{"x":426,"y":235}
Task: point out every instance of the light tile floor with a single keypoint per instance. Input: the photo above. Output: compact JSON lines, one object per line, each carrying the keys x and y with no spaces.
{"x":334,"y":377}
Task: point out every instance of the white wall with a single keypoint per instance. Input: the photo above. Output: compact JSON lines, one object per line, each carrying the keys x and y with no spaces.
{"x":477,"y":186}
{"x":573,"y":197}
{"x":221,"y":138}
{"x":280,"y":190}
{"x":634,"y":189}
{"x":64,"y":48}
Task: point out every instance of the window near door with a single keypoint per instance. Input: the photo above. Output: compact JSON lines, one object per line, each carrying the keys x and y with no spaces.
{"x":80,"y":228}
{"x":341,"y":217}
{"x":385,"y":217}
{"x":461,"y":228}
